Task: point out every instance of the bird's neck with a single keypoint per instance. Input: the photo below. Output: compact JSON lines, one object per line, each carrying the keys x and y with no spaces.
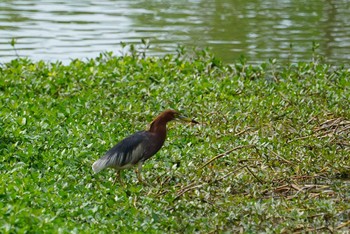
{"x":158,"y":126}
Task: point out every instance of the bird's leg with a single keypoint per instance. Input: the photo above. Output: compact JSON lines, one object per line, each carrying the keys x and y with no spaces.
{"x":138,"y":172}
{"x":118,"y":177}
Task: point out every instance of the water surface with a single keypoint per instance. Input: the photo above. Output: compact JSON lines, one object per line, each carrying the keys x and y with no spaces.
{"x":283,"y":29}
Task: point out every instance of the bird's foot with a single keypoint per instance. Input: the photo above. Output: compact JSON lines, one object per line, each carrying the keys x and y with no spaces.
{"x":118,"y":178}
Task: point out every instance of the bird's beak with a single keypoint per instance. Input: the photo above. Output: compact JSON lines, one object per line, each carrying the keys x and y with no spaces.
{"x":186,"y":119}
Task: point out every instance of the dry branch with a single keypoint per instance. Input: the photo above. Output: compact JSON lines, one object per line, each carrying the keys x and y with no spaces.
{"x":243,"y":131}
{"x":329,"y":128}
{"x":347,"y":223}
{"x":183,"y":191}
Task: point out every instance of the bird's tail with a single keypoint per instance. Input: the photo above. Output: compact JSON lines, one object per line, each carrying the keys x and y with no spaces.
{"x":99,"y":165}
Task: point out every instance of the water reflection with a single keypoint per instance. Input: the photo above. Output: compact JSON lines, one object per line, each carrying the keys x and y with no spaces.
{"x":62,"y":29}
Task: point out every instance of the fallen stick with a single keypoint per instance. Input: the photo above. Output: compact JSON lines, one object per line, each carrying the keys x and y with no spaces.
{"x":257,"y":178}
{"x":343,"y":225}
{"x":243,"y":131}
{"x":228,"y":174}
{"x":182,"y":192}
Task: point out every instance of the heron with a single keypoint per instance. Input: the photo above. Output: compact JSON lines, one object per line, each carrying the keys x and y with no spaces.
{"x":137,"y":148}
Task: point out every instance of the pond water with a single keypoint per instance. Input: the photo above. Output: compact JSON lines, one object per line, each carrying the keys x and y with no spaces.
{"x":284,"y":29}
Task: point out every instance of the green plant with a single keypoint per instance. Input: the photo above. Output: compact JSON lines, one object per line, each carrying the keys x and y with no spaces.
{"x":271,"y":154}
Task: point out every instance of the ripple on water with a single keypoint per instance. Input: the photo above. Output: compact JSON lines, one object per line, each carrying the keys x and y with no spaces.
{"x":62,"y":29}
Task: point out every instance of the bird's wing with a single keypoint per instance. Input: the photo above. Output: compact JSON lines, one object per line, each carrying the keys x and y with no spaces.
{"x":124,"y":154}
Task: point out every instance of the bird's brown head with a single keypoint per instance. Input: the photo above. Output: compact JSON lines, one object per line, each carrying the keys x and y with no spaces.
{"x":170,"y":115}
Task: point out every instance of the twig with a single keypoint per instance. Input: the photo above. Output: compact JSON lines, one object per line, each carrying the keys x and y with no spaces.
{"x":158,"y":177}
{"x":296,"y":187}
{"x":343,"y":225}
{"x":283,"y":188}
{"x":226,"y":153}
{"x":243,"y":131}
{"x":299,"y":138}
{"x":161,"y":193}
{"x":281,"y":158}
{"x":344,"y":129}
{"x":324,"y":134}
{"x":188,"y":186}
{"x":257,"y":178}
{"x":317,"y":135}
{"x":228,"y":174}
{"x":310,"y":229}
{"x":186,"y":190}
{"x":328,"y":121}
{"x":311,"y":119}
{"x":343,"y":144}
{"x":165,"y":181}
{"x":332,"y":126}
{"x":332,"y":121}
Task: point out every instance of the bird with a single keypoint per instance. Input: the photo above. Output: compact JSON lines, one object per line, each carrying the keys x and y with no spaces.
{"x":137,"y":148}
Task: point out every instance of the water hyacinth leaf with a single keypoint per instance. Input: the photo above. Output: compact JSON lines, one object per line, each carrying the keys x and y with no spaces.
{"x":273,"y":139}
